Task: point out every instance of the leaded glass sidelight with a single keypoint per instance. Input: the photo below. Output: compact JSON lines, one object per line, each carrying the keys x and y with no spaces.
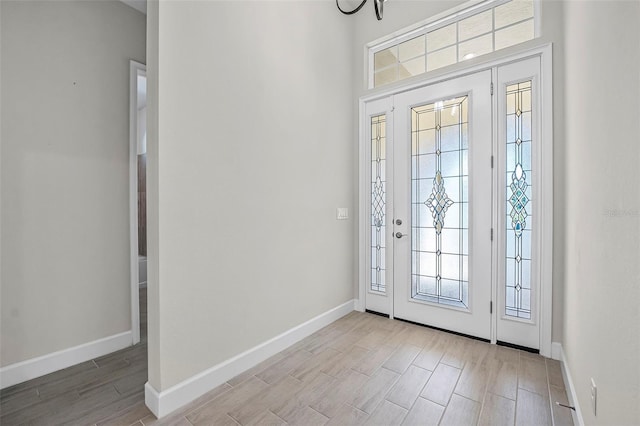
{"x":518,"y":201}
{"x":440,"y":199}
{"x":378,"y":202}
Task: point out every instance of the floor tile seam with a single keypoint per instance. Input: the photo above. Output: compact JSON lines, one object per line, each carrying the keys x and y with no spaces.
{"x":186,"y":413}
{"x":518,"y":368}
{"x":254,"y":374}
{"x":5,"y":413}
{"x":228,"y":415}
{"x":433,"y":402}
{"x":263,"y":381}
{"x":414,"y":402}
{"x":231,"y":417}
{"x":454,"y":386}
{"x":273,"y":413}
{"x":387,"y":392}
{"x":82,"y":392}
{"x":484,"y":400}
{"x":501,"y":396}
{"x":391,"y":402}
{"x":462,"y":396}
{"x":356,"y":408}
{"x":291,"y":376}
{"x":548,"y":377}
{"x":464,"y":364}
{"x":549,"y":399}
{"x":310,"y":407}
{"x":546,"y":394}
{"x":419,"y":393}
{"x":9,"y":392}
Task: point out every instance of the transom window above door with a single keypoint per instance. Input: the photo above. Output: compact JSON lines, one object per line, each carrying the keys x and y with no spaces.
{"x":457,"y":36}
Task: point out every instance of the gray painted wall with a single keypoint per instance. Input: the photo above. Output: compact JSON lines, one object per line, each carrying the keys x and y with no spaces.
{"x":602,"y":233}
{"x":254,"y":154}
{"x":65,"y":171}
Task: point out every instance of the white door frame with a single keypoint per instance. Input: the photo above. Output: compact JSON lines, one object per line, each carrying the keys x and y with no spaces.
{"x":135,"y":69}
{"x":546,"y":201}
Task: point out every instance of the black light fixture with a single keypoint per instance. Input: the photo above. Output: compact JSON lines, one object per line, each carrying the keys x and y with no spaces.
{"x":377,"y":4}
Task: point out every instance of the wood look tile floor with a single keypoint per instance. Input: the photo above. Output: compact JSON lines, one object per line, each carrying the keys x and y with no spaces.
{"x":361,"y":369}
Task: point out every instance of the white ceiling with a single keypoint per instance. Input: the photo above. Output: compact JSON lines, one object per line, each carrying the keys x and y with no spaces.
{"x":140,"y":5}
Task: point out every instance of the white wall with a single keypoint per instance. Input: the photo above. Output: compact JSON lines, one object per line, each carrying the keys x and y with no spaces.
{"x":399,"y":14}
{"x":602,"y":303}
{"x":254,"y":153}
{"x":65,"y":139}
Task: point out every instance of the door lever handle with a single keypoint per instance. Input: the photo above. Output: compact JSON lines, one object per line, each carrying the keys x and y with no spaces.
{"x":399,"y":235}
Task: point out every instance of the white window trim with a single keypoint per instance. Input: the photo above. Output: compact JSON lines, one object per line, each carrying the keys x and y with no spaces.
{"x":546,"y":201}
{"x":470,"y":8}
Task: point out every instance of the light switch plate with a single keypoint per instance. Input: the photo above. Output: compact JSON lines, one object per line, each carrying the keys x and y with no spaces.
{"x":342,"y":213}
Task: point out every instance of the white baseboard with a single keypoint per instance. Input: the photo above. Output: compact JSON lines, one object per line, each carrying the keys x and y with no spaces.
{"x":556,"y":351}
{"x":571,"y":390}
{"x":36,"y":367}
{"x":163,"y":403}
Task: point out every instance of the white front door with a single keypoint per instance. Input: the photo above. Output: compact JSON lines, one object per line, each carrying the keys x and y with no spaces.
{"x":453,"y":225}
{"x":442,"y":205}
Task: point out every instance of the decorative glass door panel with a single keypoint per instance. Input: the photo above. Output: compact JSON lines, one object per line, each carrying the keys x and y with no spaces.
{"x":378,"y":208}
{"x":518,"y":253}
{"x":378,"y":202}
{"x":442,"y":197}
{"x":518,"y":205}
{"x":440,"y":203}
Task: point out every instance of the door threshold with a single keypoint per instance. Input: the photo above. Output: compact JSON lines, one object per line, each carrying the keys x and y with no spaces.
{"x":445,"y":330}
{"x":514,"y":346}
{"x":380,"y":314}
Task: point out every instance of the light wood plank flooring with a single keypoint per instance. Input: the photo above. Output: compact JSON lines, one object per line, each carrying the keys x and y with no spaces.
{"x":361,"y":369}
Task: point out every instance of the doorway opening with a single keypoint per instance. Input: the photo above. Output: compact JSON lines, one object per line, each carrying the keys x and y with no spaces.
{"x":138,"y":199}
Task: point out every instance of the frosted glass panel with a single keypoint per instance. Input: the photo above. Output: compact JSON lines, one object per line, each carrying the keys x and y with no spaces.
{"x":411,"y":48}
{"x":441,"y":58}
{"x":411,"y":68}
{"x":386,"y":57}
{"x":378,"y":202}
{"x":439,"y":202}
{"x":386,"y":76}
{"x":512,"y":12}
{"x":475,"y":25}
{"x":513,"y":35}
{"x":518,"y":205}
{"x":442,"y":37}
{"x":475,"y":47}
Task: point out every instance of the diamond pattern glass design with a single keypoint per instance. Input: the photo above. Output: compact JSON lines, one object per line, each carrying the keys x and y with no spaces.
{"x":518,"y":204}
{"x":378,"y":202}
{"x":440,"y":199}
